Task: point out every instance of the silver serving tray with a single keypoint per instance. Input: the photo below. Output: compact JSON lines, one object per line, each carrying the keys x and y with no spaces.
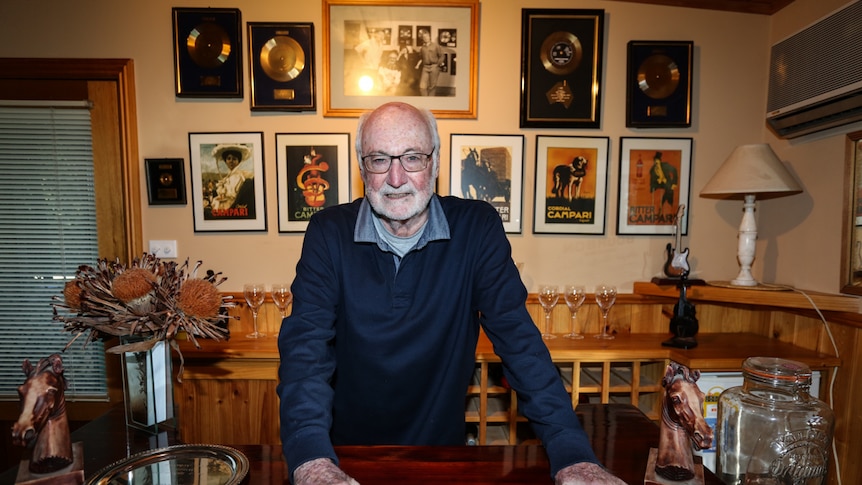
{"x":177,"y":465}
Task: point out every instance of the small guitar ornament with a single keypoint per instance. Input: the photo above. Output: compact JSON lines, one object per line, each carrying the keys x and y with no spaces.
{"x":677,"y":258}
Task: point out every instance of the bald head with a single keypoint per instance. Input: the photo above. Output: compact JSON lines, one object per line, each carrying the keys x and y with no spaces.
{"x":397,"y":120}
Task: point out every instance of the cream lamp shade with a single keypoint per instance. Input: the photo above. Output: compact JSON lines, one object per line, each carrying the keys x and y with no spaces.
{"x":751,"y":171}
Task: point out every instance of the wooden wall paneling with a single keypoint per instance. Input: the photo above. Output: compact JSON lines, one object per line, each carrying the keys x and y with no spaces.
{"x":232,"y":411}
{"x":848,"y":388}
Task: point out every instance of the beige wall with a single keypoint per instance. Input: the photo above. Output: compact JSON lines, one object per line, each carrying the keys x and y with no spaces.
{"x":799,"y":238}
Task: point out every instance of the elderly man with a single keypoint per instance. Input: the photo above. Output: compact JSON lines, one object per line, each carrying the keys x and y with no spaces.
{"x":389,"y":296}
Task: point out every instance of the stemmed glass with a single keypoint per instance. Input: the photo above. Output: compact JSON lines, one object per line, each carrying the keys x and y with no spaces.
{"x":254,"y":295}
{"x":548,"y":296}
{"x":282,"y":297}
{"x":574,"y":296}
{"x":606,"y":295}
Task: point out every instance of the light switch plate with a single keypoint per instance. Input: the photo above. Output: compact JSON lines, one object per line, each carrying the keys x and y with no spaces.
{"x":163,"y":248}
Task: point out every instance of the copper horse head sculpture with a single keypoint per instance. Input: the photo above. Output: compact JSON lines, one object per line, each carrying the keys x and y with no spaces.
{"x":682,"y":423}
{"x":42,"y":423}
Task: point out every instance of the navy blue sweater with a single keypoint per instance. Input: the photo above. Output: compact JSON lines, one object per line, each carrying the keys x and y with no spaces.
{"x":375,"y":355}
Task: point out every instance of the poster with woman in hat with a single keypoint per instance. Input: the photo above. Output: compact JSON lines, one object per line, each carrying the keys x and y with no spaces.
{"x":228,"y":171}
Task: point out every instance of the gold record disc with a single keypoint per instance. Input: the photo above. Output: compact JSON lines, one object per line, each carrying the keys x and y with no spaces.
{"x":208,"y":45}
{"x":658,"y":76}
{"x":561,"y":53}
{"x":282,"y":58}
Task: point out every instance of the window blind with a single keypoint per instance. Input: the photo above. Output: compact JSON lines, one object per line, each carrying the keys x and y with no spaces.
{"x":47,"y":229}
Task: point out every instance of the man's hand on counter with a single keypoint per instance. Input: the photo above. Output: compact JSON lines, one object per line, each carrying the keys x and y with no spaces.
{"x":321,"y":471}
{"x":586,"y":474}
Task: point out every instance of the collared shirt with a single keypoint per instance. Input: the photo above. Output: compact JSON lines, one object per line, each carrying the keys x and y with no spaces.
{"x":436,"y":228}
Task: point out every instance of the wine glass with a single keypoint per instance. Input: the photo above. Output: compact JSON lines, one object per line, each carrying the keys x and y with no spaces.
{"x":282,"y":297}
{"x":254,"y":294}
{"x":548,"y":296}
{"x":574,"y":296}
{"x":606,"y":295}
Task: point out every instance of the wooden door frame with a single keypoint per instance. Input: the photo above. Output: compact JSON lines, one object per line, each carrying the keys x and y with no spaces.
{"x":115,"y":152}
{"x":109,"y":84}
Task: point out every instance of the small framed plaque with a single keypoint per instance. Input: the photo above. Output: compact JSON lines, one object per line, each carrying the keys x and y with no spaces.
{"x":207,"y":52}
{"x":166,"y":181}
{"x":281,"y":66}
{"x":658,"y":89}
{"x":561,"y":68}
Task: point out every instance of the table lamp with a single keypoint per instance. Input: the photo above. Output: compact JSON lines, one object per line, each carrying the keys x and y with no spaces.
{"x":750,"y":171}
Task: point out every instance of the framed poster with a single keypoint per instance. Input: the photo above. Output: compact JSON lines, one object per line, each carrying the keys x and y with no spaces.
{"x":228,"y":181}
{"x":166,"y":181}
{"x":571,"y":184}
{"x":561,"y":67}
{"x":313,"y":172}
{"x":658,"y":84}
{"x":281,"y":66}
{"x":490,"y":168}
{"x":424,"y":53}
{"x":207,"y":52}
{"x":654,"y":181}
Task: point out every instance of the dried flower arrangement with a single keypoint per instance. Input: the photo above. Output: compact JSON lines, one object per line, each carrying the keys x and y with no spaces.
{"x":151,"y":299}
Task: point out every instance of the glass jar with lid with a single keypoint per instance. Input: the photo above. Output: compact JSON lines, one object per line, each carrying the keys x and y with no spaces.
{"x":771,"y":430}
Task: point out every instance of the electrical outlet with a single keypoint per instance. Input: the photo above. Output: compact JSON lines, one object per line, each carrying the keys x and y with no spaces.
{"x":164,"y":249}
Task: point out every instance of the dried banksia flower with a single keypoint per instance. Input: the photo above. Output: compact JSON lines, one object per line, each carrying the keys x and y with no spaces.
{"x":72,"y":295}
{"x":133,"y":284}
{"x":149,"y":298}
{"x":199,"y":298}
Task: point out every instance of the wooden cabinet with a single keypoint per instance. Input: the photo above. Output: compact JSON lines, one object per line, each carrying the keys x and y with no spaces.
{"x":492,"y":415}
{"x":627,"y":369}
{"x":228,"y":390}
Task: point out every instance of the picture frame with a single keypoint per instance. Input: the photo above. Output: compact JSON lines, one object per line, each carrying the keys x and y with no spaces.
{"x":313,"y":172}
{"x":659,"y":83}
{"x":648,"y":200}
{"x":372,"y":55}
{"x":561,"y":67}
{"x":490,"y":168}
{"x":166,"y":181}
{"x":228,"y":181}
{"x":281,"y":66}
{"x":201,"y":71}
{"x":571,"y":184}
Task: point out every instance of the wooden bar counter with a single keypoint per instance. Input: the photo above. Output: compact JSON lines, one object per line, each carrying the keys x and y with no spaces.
{"x":621,"y":436}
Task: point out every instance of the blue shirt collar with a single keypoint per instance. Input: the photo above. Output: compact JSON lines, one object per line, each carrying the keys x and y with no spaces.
{"x":437,"y":227}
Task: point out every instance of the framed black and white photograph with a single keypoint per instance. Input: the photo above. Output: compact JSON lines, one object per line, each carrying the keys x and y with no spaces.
{"x":166,"y":181}
{"x":655,"y":175}
{"x":313,"y":172}
{"x":207,"y":52}
{"x":561,"y":67}
{"x":281,"y":66}
{"x":490,"y":168}
{"x":227,"y":181}
{"x":423,"y":53}
{"x":571,"y":184}
{"x":658,"y":84}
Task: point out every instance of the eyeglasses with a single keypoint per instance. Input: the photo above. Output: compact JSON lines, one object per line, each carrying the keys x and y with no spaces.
{"x":410,"y":162}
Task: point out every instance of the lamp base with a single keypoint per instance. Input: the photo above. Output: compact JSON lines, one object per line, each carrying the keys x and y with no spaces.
{"x":743,"y":282}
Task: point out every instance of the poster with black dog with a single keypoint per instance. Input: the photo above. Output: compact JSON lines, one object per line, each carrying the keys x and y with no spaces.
{"x":571,"y":183}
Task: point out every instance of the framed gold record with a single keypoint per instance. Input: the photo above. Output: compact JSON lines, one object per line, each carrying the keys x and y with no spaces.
{"x":166,"y":181}
{"x":561,"y":67}
{"x":207,"y":52}
{"x":658,"y":84}
{"x":281,"y":66}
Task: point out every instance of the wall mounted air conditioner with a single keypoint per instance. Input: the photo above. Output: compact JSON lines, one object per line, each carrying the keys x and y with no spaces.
{"x":815,"y":76}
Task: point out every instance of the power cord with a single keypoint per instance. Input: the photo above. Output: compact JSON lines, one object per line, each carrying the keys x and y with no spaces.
{"x":834,"y":372}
